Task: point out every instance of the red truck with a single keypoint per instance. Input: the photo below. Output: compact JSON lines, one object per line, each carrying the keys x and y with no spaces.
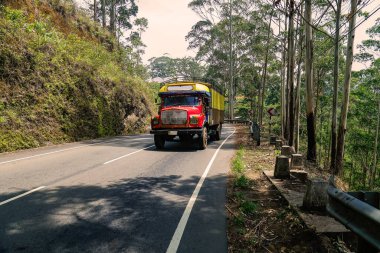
{"x":188,"y":109}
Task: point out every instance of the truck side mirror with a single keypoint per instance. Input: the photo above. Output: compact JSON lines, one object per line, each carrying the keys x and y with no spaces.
{"x":207,"y":102}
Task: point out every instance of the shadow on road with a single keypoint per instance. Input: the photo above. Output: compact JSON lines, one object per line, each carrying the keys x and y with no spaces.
{"x":132,"y":215}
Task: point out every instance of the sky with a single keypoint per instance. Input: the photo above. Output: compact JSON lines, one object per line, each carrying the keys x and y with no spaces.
{"x":169,"y":23}
{"x":171,"y":20}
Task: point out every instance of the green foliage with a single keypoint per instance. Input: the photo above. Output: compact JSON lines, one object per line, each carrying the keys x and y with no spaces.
{"x":241,"y":181}
{"x":165,"y":67}
{"x":239,"y":196}
{"x":239,"y":220}
{"x":248,"y":207}
{"x":57,"y":87}
{"x":238,"y":169}
{"x":237,"y":162}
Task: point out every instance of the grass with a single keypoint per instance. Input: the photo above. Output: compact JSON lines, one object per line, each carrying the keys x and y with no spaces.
{"x":238,"y":168}
{"x":241,"y":183}
{"x":248,"y":207}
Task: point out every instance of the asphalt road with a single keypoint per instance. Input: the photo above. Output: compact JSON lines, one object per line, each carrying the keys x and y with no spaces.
{"x":115,"y":195}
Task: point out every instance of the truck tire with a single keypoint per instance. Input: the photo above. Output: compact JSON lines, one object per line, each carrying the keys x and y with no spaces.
{"x":202,"y":140}
{"x":159,"y":141}
{"x":218,"y":132}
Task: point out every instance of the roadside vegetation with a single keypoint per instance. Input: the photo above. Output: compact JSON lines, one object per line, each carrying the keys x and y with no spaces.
{"x":259,"y":218}
{"x":295,"y":57}
{"x":64,"y":78}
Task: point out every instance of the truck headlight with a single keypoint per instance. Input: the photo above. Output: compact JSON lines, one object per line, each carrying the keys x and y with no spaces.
{"x":194,"y":119}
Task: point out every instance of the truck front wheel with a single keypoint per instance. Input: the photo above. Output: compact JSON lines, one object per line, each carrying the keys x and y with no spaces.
{"x":202,"y":140}
{"x":159,"y":141}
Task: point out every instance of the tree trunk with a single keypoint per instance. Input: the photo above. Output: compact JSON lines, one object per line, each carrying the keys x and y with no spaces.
{"x":95,"y":11}
{"x":373,"y":171}
{"x":259,"y":93}
{"x":103,"y":7}
{"x":298,"y":90}
{"x":311,"y":142}
{"x":283,"y":101}
{"x":231,"y":96}
{"x":112,"y":17}
{"x":285,"y":67}
{"x":346,"y":91}
{"x":291,"y":73}
{"x":264,"y":78}
{"x":336,"y":81}
{"x":287,"y":85}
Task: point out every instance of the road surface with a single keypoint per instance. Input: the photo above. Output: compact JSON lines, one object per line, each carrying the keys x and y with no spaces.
{"x":115,"y":195}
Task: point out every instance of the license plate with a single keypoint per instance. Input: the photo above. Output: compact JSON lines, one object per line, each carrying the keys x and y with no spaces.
{"x":172,"y":133}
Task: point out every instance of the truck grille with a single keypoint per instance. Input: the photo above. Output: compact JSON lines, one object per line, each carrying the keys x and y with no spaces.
{"x":174,"y":117}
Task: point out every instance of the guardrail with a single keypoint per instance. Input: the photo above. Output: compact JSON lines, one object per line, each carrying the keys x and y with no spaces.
{"x":360,"y":217}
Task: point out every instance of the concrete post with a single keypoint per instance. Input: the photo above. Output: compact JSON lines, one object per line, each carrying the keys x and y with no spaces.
{"x":296,"y":162}
{"x":316,"y":195}
{"x":278,"y":144}
{"x":287,"y":150}
{"x":281,"y":169}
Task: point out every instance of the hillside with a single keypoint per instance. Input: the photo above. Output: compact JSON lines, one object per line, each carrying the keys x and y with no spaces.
{"x":63,"y":78}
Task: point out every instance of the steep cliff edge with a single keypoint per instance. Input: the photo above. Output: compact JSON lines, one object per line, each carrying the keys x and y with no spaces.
{"x":63,"y":78}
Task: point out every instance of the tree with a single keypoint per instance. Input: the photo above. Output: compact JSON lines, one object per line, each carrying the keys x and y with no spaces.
{"x":103,"y":9}
{"x":311,"y":140}
{"x":369,"y":52}
{"x":233,"y":43}
{"x":336,"y":81}
{"x":95,"y":15}
{"x":290,"y":78}
{"x":346,"y":91}
{"x":165,"y":67}
{"x":119,"y":14}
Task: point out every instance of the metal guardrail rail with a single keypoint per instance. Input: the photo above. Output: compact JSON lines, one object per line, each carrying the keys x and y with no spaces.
{"x":360,"y":217}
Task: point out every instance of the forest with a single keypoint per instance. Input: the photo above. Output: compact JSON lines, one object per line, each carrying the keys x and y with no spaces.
{"x":295,"y":57}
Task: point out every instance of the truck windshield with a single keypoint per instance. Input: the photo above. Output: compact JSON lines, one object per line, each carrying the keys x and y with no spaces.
{"x":181,"y":100}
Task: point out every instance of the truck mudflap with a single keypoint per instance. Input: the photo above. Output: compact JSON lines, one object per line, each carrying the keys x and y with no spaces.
{"x":176,"y":131}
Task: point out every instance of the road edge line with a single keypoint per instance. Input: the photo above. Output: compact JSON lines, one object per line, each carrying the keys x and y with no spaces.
{"x":113,"y":160}
{"x":174,"y":243}
{"x":21,"y":195}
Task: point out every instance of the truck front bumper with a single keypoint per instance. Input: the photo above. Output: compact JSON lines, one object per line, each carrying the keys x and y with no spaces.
{"x":176,"y":131}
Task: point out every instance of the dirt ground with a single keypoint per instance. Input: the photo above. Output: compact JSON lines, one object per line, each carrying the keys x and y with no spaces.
{"x":269,"y":225}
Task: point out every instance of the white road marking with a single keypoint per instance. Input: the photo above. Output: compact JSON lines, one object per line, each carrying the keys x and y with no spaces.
{"x":67,"y":149}
{"x":43,"y":154}
{"x":113,"y":160}
{"x":174,"y":243}
{"x":21,"y":195}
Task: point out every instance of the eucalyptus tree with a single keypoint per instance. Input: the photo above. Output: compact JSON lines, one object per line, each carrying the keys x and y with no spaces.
{"x":246,"y":48}
{"x":165,"y":67}
{"x":119,"y":13}
{"x":311,"y":147}
{"x":346,"y":89}
{"x":336,"y":80}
